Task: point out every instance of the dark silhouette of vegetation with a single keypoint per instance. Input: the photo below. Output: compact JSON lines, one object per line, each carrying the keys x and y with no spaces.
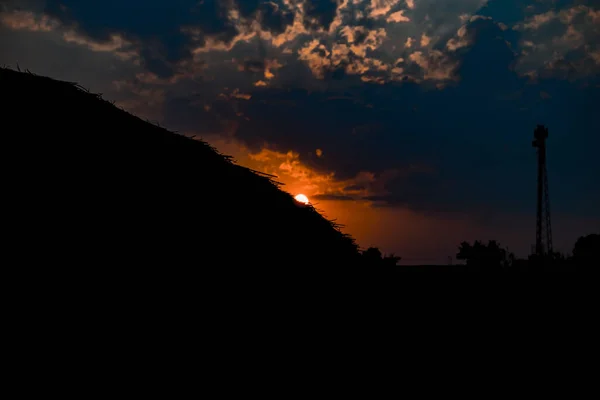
{"x":373,"y":257}
{"x":479,"y":254}
{"x":586,"y":255}
{"x":587,"y":250}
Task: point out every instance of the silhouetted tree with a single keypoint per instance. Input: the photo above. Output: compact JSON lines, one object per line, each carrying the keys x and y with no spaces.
{"x":586,"y":251}
{"x":482,"y":255}
{"x":372,"y":254}
{"x":373,"y":257}
{"x":558,"y":258}
{"x":391,"y":260}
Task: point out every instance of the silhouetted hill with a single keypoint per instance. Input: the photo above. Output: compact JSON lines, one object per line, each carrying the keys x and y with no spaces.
{"x":88,"y":182}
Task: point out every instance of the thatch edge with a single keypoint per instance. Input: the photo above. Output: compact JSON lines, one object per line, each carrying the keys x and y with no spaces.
{"x":227,"y":158}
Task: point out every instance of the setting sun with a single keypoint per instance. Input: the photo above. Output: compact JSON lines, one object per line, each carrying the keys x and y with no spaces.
{"x":301,"y":198}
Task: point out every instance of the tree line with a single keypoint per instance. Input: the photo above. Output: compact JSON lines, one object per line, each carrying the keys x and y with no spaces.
{"x":491,"y":255}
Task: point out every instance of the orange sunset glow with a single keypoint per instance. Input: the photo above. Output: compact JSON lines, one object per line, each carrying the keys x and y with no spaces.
{"x":393,"y":229}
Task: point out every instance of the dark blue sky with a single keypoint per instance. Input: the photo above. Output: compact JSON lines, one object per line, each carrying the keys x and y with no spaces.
{"x":426,"y":106}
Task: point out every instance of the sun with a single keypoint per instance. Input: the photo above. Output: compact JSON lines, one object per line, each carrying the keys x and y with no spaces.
{"x":301,"y":198}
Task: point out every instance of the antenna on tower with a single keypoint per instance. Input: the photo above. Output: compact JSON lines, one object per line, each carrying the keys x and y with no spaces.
{"x":543,"y":232}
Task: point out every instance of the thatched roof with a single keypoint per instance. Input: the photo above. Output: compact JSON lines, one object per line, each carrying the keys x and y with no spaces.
{"x":101,"y":183}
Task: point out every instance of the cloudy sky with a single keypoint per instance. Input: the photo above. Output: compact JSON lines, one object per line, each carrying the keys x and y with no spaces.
{"x":409,"y":121}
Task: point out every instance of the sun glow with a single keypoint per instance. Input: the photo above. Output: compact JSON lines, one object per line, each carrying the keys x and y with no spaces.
{"x":301,"y":198}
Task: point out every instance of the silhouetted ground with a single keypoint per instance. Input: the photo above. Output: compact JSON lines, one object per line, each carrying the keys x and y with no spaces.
{"x":433,"y":268}
{"x":87,"y":182}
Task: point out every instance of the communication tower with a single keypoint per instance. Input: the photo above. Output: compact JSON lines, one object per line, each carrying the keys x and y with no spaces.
{"x":543,"y":232}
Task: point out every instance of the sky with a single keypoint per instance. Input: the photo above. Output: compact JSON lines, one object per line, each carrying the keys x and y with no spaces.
{"x":410,"y":122}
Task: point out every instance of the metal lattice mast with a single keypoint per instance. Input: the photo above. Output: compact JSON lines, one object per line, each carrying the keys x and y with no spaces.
{"x":547,"y":212}
{"x":543,"y":232}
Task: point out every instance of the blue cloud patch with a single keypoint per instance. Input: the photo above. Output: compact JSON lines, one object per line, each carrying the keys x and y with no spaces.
{"x":156,"y":25}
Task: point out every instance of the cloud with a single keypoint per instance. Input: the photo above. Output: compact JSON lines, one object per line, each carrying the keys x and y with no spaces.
{"x":435,"y":65}
{"x":333,"y":38}
{"x":291,"y":171}
{"x":333,"y":196}
{"x":398,"y":16}
{"x":272,"y":17}
{"x":380,"y":8}
{"x":159,"y":31}
{"x":538,"y":20}
{"x":237,"y":95}
{"x":115,"y":44}
{"x":319,"y":13}
{"x":560,"y":43}
{"x":461,"y":39}
{"x":27,"y":20}
{"x":317,"y":57}
{"x":362,"y":40}
{"x":267,"y":68}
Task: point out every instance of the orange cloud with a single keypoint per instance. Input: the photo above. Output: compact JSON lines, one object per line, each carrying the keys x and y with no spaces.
{"x":435,"y":65}
{"x":459,"y":41}
{"x":316,"y":56}
{"x":26,"y":20}
{"x":271,"y":65}
{"x":297,"y":177}
{"x":380,"y":8}
{"x":398,"y":16}
{"x":238,"y":95}
{"x":116,"y":45}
